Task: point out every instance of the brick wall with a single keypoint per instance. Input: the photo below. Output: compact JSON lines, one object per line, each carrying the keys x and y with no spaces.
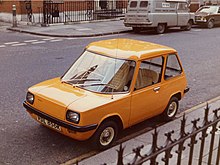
{"x":37,"y":6}
{"x":6,"y":6}
{"x":68,"y":5}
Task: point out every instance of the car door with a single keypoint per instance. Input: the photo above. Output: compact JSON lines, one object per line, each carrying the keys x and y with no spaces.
{"x":165,"y":12}
{"x":137,"y":11}
{"x":183,"y":15}
{"x":146,"y":99}
{"x":142,"y":13}
{"x":132,"y":11}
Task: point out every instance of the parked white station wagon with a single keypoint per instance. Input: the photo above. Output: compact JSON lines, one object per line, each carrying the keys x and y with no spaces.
{"x":158,"y":14}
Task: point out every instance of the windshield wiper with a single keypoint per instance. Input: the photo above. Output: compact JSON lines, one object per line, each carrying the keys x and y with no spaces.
{"x":67,"y":82}
{"x":85,"y":79}
{"x":88,"y":85}
{"x":86,"y":73}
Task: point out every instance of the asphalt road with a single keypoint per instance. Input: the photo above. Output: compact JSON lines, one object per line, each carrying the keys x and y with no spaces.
{"x":26,"y":60}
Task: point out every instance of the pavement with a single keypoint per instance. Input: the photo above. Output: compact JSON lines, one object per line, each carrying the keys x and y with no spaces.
{"x":83,"y":29}
{"x":110,"y":156}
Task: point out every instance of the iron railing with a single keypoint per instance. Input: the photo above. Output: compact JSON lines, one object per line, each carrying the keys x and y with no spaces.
{"x":26,"y":10}
{"x":76,"y":11}
{"x":186,"y":141}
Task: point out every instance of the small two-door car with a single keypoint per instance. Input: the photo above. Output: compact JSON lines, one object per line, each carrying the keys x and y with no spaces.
{"x":208,"y":16}
{"x":113,"y":85}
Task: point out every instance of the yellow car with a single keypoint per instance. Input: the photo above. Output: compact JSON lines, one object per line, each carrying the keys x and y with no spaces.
{"x":113,"y":85}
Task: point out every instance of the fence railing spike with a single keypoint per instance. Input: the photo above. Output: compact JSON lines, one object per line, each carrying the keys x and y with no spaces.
{"x":195,"y":122}
{"x":138,"y":155}
{"x":183,"y":133}
{"x":169,"y":139}
{"x":205,"y":119}
{"x":216,"y":116}
{"x":120,"y":155}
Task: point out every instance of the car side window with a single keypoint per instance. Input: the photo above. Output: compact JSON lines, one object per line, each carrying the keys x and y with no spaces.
{"x":173,"y":67}
{"x":182,"y":6}
{"x":149,"y":72}
{"x":143,"y":4}
{"x":133,"y":4}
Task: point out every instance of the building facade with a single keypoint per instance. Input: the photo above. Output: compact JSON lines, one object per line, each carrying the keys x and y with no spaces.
{"x":195,"y":4}
{"x":60,"y":10}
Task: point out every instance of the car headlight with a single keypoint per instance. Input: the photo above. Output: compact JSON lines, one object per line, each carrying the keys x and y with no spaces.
{"x":72,"y":116}
{"x":30,"y":98}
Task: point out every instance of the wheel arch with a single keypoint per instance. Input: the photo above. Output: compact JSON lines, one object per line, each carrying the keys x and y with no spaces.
{"x":211,"y":18}
{"x":191,"y":20}
{"x":165,"y":23}
{"x":114,"y":117}
{"x":178,"y":95}
{"x":163,"y":30}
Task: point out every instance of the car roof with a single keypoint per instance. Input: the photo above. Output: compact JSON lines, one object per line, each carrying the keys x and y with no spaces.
{"x":129,"y":49}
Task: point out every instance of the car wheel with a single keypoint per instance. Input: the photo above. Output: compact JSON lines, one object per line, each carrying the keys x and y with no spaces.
{"x":171,"y":109}
{"x":105,"y":135}
{"x":136,"y":29}
{"x":161,"y":28}
{"x":188,"y":26}
{"x":210,"y":24}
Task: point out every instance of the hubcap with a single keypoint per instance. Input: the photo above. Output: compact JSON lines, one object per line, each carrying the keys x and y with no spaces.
{"x":107,"y":136}
{"x":172,"y":109}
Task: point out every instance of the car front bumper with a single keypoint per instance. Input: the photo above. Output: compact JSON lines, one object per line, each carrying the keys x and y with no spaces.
{"x":139,"y":24}
{"x":73,"y":131}
{"x":200,"y":21}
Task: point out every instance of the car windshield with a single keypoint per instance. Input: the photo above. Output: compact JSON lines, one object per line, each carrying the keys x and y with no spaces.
{"x":100,"y":73}
{"x":208,"y":9}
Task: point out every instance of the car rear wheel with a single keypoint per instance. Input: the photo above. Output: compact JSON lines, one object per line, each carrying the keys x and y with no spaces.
{"x":188,"y":26}
{"x":105,"y":135}
{"x":171,"y":109}
{"x":161,"y":28}
{"x":210,"y":24}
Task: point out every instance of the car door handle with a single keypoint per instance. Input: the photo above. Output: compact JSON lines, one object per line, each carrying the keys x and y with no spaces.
{"x":156,"y":89}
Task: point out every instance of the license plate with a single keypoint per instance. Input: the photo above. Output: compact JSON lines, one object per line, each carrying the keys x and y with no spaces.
{"x":49,"y":123}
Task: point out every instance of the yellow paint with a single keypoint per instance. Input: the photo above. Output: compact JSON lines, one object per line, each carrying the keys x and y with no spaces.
{"x":54,"y":97}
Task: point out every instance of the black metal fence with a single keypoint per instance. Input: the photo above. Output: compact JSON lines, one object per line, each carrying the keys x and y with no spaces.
{"x":76,"y":11}
{"x":201,"y":137}
{"x":26,"y":11}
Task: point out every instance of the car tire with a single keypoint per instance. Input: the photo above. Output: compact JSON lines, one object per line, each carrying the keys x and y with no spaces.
{"x":136,"y":29}
{"x":188,"y":26}
{"x":210,"y":24}
{"x":171,"y":109}
{"x":161,"y":28}
{"x":105,"y":135}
